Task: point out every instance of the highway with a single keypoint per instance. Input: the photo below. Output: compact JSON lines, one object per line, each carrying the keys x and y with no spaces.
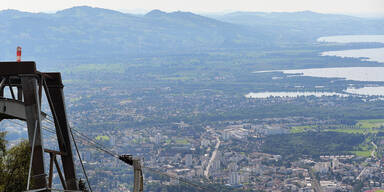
{"x":206,"y":172}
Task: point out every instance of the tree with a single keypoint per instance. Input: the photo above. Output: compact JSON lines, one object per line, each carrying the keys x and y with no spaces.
{"x":82,"y":186}
{"x":2,"y":155}
{"x":14,"y":165}
{"x":2,"y":143}
{"x":17,"y":165}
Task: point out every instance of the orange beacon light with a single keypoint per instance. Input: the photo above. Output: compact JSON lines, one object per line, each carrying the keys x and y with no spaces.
{"x":18,"y":57}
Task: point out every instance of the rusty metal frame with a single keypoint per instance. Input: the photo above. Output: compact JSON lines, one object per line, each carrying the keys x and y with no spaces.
{"x":27,"y":106}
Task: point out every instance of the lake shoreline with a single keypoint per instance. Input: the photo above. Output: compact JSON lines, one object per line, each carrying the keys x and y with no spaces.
{"x":361,"y":74}
{"x":372,"y":54}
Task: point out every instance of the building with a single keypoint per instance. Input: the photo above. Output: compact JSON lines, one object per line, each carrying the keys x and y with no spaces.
{"x":188,"y":160}
{"x":112,"y":140}
{"x":157,"y":138}
{"x":216,"y":165}
{"x":234,"y":178}
{"x":322,"y":167}
{"x":226,"y":135}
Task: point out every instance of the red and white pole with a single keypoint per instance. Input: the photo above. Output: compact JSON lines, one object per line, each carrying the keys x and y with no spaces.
{"x":18,"y":57}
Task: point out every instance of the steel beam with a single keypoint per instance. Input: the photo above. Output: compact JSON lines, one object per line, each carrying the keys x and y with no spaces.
{"x":16,"y":68}
{"x":54,"y":92}
{"x":2,"y":85}
{"x":50,"y":170}
{"x":33,"y":118}
{"x":59,"y":173}
{"x":20,"y":94}
{"x":12,"y":109}
{"x":138,"y":185}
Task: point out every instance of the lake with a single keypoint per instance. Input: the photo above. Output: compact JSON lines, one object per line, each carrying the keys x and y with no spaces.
{"x":263,"y":95}
{"x":353,"y":39}
{"x":365,"y":91}
{"x":369,"y":91}
{"x":374,"y":54}
{"x":347,"y":73}
{"x":350,"y":73}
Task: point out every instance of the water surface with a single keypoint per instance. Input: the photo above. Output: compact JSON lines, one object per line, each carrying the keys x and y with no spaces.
{"x":348,"y":73}
{"x":367,"y":91}
{"x":263,"y":95}
{"x":374,"y":54}
{"x":353,"y":39}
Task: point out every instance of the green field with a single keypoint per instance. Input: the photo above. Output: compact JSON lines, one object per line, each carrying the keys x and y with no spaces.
{"x":371,"y":123}
{"x":364,"y":149}
{"x":364,"y":127}
{"x":362,"y":153}
{"x":361,"y":127}
{"x":315,"y":144}
{"x":355,"y":131}
{"x":181,"y":141}
{"x":115,"y":68}
{"x":300,"y":129}
{"x":102,"y":137}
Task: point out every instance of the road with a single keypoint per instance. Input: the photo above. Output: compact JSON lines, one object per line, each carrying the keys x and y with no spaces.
{"x":373,"y":156}
{"x":315,"y":183}
{"x":373,"y":152}
{"x":361,"y":173}
{"x":206,"y":172}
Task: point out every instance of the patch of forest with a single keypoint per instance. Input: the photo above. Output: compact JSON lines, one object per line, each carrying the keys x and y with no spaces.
{"x":312,"y":144}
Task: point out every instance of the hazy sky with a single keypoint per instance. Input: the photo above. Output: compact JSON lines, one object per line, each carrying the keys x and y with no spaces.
{"x":357,"y":7}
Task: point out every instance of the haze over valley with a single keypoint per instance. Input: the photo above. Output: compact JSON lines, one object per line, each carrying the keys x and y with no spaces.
{"x":239,"y":101}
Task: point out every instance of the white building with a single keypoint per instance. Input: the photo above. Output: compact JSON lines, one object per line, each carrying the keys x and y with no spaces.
{"x":226,"y":135}
{"x":199,"y":171}
{"x":188,"y":160}
{"x":244,"y":177}
{"x":205,"y":142}
{"x":234,"y":178}
{"x":335,"y":163}
{"x":216,"y":165}
{"x":157,"y":138}
{"x":233,"y":166}
{"x":112,"y":140}
{"x":328,"y":186}
{"x":322,"y":167}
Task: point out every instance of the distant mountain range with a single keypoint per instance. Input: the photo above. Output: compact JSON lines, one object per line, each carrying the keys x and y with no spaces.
{"x":86,"y":34}
{"x":305,"y":25}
